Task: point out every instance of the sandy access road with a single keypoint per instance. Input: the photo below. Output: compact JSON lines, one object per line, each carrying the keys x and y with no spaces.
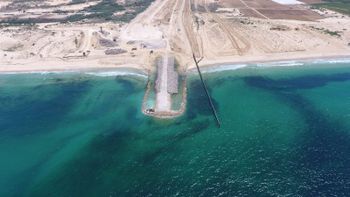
{"x":163,"y":98}
{"x":240,"y":31}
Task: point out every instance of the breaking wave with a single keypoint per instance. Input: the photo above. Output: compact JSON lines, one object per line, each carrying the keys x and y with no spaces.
{"x":219,"y":68}
{"x":281,"y":63}
{"x":116,"y":73}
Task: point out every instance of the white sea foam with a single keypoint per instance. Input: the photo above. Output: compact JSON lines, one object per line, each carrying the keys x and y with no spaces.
{"x":288,"y":2}
{"x":331,"y":61}
{"x":116,"y":73}
{"x":212,"y":69}
{"x":281,"y":63}
{"x":94,"y":73}
{"x":35,"y":72}
{"x":305,"y":62}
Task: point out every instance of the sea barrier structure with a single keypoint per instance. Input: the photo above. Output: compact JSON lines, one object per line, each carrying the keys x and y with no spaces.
{"x":164,"y":85}
{"x":163,"y":88}
{"x":207,"y":92}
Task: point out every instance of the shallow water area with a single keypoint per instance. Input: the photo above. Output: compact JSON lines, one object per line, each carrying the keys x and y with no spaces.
{"x":285,"y":131}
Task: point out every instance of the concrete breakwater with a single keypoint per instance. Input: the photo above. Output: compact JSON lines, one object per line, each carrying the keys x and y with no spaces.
{"x":161,"y":90}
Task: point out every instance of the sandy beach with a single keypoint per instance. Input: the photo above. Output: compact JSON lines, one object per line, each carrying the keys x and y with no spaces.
{"x":236,"y":33}
{"x":94,"y":66}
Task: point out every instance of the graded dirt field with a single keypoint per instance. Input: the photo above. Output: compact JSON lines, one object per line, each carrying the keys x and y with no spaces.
{"x":218,"y":31}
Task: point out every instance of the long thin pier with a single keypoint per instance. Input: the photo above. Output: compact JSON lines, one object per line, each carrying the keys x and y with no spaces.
{"x":206,"y":91}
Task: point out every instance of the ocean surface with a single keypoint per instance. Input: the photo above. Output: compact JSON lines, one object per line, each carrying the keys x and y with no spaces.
{"x":285,"y":132}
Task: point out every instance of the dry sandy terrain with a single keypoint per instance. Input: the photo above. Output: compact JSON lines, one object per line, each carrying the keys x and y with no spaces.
{"x":219,"y":31}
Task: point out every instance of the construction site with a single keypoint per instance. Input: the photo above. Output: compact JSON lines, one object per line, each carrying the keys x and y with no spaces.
{"x":234,"y":30}
{"x":227,"y":31}
{"x":220,"y":31}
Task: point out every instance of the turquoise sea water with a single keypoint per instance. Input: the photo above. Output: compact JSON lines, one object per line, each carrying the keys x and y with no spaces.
{"x":285,"y":131}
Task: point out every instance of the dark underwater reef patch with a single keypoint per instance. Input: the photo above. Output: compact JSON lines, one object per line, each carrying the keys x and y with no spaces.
{"x":197,"y":101}
{"x":32,"y":115}
{"x":304,"y":82}
{"x":324,"y":146}
{"x":91,"y":162}
{"x":171,"y":141}
{"x":105,"y":154}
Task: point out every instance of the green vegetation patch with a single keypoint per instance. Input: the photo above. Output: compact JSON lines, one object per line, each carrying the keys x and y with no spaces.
{"x":78,"y":1}
{"x":327,"y":31}
{"x":341,"y":6}
{"x":106,"y":9}
{"x":103,"y":10}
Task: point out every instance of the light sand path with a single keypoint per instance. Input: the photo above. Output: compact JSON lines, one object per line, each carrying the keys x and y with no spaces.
{"x":163,"y":100}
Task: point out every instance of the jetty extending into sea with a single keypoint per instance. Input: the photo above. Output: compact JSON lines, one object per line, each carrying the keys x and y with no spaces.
{"x":165,"y":86}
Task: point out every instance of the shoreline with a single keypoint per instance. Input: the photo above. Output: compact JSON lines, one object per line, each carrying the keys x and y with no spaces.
{"x":209,"y":66}
{"x":95,"y":71}
{"x":277,"y":62}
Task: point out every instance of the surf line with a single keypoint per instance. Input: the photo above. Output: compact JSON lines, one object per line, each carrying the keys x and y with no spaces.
{"x":207,"y":92}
